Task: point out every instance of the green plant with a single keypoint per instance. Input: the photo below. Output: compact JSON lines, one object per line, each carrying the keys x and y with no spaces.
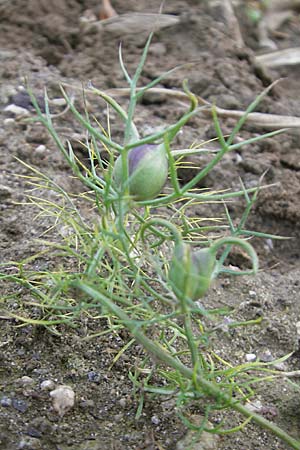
{"x":141,"y":269}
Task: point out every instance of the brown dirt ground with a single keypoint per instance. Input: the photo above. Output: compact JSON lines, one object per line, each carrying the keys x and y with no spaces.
{"x":43,"y":41}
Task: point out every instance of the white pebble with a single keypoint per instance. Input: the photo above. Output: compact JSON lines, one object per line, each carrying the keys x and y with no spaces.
{"x":155,"y":420}
{"x":41,"y":149}
{"x":238,"y":158}
{"x":255,"y":406}
{"x":47,"y":385}
{"x":269,"y":244}
{"x":18,"y":111}
{"x":25,"y":380}
{"x":9,"y":122}
{"x":250,"y":357}
{"x":63,"y":399}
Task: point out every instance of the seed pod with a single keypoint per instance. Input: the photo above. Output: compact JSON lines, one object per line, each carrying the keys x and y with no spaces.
{"x":147,"y":170}
{"x":191,"y":272}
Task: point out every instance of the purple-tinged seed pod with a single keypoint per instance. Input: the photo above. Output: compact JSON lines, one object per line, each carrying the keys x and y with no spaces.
{"x":147,"y":170}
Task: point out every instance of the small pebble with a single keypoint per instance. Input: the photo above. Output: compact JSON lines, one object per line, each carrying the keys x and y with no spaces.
{"x":266,"y":356}
{"x":255,"y":406}
{"x":33,"y":432}
{"x":269,"y":244}
{"x":85,"y":404}
{"x":250,"y":357}
{"x":22,"y":99}
{"x":40,"y":149}
{"x":63,"y":399}
{"x":122,"y":402}
{"x":238,"y":158}
{"x":281,"y":366}
{"x":47,"y":385}
{"x":5,"y":192}
{"x":93,"y":376}
{"x":9,"y":122}
{"x":19,"y":405}
{"x":30,"y":443}
{"x":16,"y":111}
{"x":252,"y":294}
{"x":118,"y":417}
{"x":26,"y":381}
{"x":5,"y":401}
{"x":155,"y":420}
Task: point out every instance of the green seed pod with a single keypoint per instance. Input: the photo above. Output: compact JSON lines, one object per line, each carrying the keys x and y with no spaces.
{"x":191,"y":272}
{"x":147,"y":170}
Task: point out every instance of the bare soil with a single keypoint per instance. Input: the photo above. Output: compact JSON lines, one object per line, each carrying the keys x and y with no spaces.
{"x":45,"y":43}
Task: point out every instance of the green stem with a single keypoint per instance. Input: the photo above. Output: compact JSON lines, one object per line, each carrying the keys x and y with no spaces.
{"x":209,"y":388}
{"x":190,"y":336}
{"x":231,"y":240}
{"x":237,"y":231}
{"x":162,"y":222}
{"x":130,"y":136}
{"x":122,"y":113}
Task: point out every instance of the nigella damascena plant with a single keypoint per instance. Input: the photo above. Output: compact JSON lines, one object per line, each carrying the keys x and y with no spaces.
{"x":147,"y":171}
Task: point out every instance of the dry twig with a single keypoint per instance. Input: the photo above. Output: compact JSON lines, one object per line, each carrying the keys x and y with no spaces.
{"x":261,"y":120}
{"x":232,"y":23}
{"x":286,"y":57}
